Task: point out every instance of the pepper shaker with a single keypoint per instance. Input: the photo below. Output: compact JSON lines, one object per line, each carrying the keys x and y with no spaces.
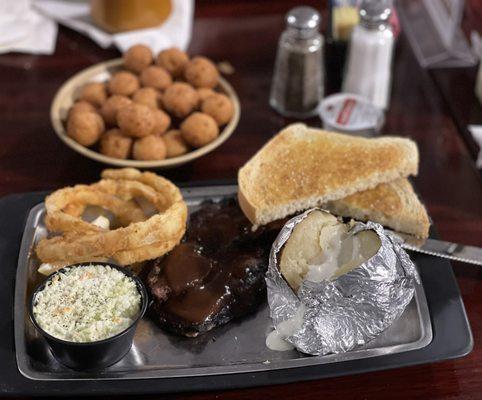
{"x":297,"y":88}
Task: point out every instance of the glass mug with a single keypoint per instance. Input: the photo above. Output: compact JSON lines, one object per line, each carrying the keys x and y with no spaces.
{"x":125,"y":15}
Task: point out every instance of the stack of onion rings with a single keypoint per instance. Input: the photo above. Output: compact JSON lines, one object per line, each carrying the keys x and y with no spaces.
{"x":138,"y":239}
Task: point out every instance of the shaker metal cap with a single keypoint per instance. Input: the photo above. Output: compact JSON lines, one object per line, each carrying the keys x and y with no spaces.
{"x":373,"y":12}
{"x":303,"y":18}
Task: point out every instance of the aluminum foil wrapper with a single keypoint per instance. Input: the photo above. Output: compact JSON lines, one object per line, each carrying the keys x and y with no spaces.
{"x":351,"y":310}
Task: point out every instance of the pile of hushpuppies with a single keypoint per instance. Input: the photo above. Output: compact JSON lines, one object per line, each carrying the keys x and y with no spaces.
{"x":157,"y":107}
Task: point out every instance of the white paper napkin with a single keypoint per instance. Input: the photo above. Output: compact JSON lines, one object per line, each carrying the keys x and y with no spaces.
{"x":23,"y":29}
{"x":476,"y":131}
{"x":175,"y":31}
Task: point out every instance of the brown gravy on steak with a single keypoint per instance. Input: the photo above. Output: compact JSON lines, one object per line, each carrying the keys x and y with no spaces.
{"x":215,"y":275}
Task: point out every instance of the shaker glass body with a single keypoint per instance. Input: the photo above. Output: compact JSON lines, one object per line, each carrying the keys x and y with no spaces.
{"x":368,"y":71}
{"x":297,"y":88}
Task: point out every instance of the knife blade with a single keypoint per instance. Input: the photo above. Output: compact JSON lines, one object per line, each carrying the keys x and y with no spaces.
{"x":440,"y":248}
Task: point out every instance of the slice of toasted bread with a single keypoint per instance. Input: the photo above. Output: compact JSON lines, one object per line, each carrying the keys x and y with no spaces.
{"x":304,"y":167}
{"x":394,"y":205}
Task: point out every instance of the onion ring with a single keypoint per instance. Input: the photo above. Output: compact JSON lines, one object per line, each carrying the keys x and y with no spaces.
{"x":65,"y":206}
{"x":140,"y":240}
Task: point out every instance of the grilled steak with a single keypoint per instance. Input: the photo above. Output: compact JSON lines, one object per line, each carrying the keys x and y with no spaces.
{"x":215,"y":275}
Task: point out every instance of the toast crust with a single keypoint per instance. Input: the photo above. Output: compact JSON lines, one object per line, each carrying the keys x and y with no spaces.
{"x":394,"y":205}
{"x":303,"y":167}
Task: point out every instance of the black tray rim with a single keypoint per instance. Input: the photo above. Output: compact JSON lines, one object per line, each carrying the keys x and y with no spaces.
{"x":442,"y":347}
{"x":19,"y":327}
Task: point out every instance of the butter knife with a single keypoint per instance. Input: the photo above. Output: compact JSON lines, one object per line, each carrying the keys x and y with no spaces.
{"x":440,"y":248}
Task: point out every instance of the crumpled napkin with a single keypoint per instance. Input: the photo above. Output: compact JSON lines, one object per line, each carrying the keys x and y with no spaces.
{"x":24,"y":29}
{"x":175,"y":31}
{"x":476,"y":131}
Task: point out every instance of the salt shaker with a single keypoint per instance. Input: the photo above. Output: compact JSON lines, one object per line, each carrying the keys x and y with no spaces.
{"x":297,"y":87}
{"x":368,"y":72}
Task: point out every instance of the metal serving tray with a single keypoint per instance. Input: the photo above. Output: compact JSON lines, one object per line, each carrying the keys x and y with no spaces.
{"x":238,"y":347}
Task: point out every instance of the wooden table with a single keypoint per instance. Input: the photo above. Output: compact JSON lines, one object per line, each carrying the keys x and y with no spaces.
{"x":246,"y":34}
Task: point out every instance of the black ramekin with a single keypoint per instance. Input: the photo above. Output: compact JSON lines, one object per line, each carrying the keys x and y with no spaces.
{"x":92,"y":355}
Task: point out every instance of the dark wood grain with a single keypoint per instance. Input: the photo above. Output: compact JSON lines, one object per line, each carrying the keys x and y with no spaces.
{"x":246,"y":34}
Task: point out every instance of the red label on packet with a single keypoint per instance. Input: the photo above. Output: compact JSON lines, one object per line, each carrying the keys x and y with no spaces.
{"x":345,"y":111}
